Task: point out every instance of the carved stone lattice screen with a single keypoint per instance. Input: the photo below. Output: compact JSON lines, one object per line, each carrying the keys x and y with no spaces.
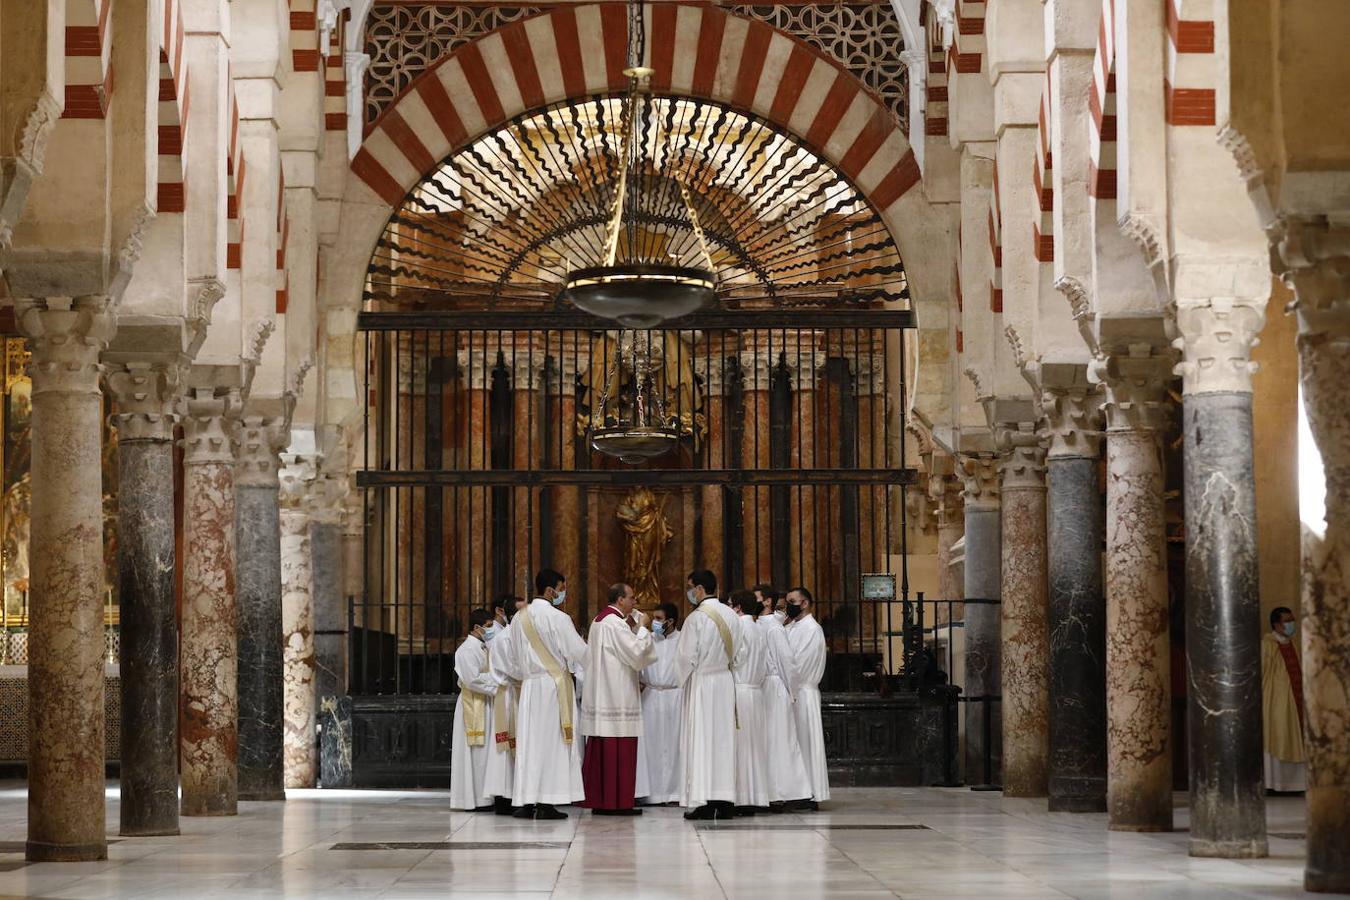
{"x":404,"y":39}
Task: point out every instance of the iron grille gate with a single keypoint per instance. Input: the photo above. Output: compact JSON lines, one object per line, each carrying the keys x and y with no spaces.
{"x":478,"y":470}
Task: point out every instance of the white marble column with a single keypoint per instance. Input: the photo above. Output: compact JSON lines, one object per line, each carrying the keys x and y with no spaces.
{"x":65,"y":633}
{"x":297,"y":628}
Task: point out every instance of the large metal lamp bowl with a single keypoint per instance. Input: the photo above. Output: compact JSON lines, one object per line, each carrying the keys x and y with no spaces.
{"x":641,"y":295}
{"x":634,"y":443}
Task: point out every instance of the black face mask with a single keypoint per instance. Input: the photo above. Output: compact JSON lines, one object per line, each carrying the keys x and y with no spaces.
{"x":793,"y":610}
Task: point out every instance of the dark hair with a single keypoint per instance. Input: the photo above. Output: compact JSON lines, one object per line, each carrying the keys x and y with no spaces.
{"x":1277,"y":613}
{"x":616,"y":592}
{"x":704,"y":579}
{"x":671,"y":611}
{"x":806,"y":595}
{"x":746,"y":602}
{"x":479,"y":617}
{"x":764,"y":588}
{"x":502,"y":602}
{"x":547,"y":578}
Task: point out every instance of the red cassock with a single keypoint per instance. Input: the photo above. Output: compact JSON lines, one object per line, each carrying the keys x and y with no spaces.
{"x":609,"y":769}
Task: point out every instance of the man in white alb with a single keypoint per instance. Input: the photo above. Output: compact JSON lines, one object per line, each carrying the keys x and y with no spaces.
{"x":752,"y":751}
{"x":545,"y":650}
{"x":788,"y":782}
{"x":470,"y":741}
{"x":501,"y":763}
{"x":705,"y":657}
{"x":807,"y":641}
{"x":662,"y":706}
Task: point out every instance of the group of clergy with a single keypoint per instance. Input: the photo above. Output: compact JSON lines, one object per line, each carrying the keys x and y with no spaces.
{"x":719,"y":713}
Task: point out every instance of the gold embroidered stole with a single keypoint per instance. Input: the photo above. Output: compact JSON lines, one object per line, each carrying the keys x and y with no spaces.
{"x":475,"y":710}
{"x":562,"y":679}
{"x":504,"y":718}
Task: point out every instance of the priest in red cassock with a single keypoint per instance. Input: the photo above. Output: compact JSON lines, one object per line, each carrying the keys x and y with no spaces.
{"x":619,"y":647}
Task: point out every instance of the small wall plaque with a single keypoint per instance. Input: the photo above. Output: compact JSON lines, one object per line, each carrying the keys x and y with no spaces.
{"x":878,"y":586}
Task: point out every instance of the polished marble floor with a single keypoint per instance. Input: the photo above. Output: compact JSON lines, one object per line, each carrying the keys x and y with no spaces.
{"x":953,"y":843}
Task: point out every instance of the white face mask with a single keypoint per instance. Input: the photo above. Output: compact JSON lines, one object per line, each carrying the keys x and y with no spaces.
{"x":780,"y":615}
{"x":1289,"y":628}
{"x":558,"y":600}
{"x":491,"y":631}
{"x":692,"y":595}
{"x":659,"y":628}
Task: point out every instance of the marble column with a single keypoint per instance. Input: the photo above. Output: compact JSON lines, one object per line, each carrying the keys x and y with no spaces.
{"x":330,"y":601}
{"x":1023,"y":614}
{"x":300,"y":755}
{"x":945,"y":493}
{"x":566,"y":500}
{"x":65,"y":632}
{"x":1315,"y":261}
{"x":208,"y":662}
{"x":1138,"y":662}
{"x":258,"y":583}
{"x":1223,"y":595}
{"x":983,"y":575}
{"x":147,"y":396}
{"x":1077,"y":626}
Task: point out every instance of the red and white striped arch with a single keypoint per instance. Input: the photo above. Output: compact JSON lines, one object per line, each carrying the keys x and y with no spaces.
{"x":283,"y":237}
{"x":173,"y":110}
{"x":995,"y":246}
{"x":1192,"y":69}
{"x":965,"y":56}
{"x":1042,"y":180}
{"x":335,"y":77}
{"x":577,"y":51}
{"x":89,"y":75}
{"x":1102,"y":100}
{"x":935,"y":85}
{"x":234,"y":175}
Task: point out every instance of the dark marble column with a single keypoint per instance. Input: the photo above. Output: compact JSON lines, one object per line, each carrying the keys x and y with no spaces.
{"x":1320,"y":275}
{"x":65,"y":632}
{"x":330,"y":604}
{"x":983,"y":661}
{"x":146,"y":398}
{"x":1223,"y":593}
{"x":1138,"y":655}
{"x":1077,"y":780}
{"x":258,"y":591}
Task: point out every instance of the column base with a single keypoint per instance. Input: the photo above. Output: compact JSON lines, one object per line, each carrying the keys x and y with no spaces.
{"x":263,"y":796}
{"x":39,"y":851}
{"x":1078,"y":804}
{"x":1229,"y":849}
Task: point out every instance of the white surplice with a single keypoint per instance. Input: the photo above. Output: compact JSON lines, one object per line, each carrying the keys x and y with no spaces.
{"x":548,"y":770}
{"x":502,"y":757}
{"x":612,"y":705}
{"x":787,"y":770}
{"x":752,"y":750}
{"x":808,"y":648}
{"x":708,"y":722}
{"x":659,"y":748}
{"x":468,"y":765}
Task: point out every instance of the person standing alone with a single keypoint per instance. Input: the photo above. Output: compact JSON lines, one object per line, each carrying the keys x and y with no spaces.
{"x":1282,"y":704}
{"x":807,"y":640}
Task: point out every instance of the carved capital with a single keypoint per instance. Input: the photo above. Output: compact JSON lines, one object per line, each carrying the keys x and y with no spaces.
{"x":209,"y":427}
{"x":66,"y":338}
{"x":980,"y":479}
{"x":1021,"y":456}
{"x":147,"y":397}
{"x":1314,"y":259}
{"x":945,"y":493}
{"x":1136,"y":389}
{"x":325,"y":498}
{"x":1073,"y":420}
{"x":258,"y":458}
{"x":1216,"y":343}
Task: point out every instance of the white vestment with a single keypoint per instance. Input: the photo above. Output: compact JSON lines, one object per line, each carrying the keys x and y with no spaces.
{"x":611,"y":705}
{"x":787,"y":770}
{"x":548,"y":770}
{"x":808,"y":647}
{"x":468,"y":764}
{"x":708,"y":723}
{"x":502,"y":757}
{"x":659,"y":748}
{"x":752,"y":752}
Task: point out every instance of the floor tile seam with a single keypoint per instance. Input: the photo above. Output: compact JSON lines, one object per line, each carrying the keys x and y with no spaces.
{"x":861,"y":868}
{"x":707,"y":861}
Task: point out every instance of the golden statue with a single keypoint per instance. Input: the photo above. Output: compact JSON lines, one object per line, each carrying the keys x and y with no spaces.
{"x":644,"y":520}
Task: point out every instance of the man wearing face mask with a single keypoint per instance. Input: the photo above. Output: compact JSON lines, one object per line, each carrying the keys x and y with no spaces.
{"x":544,"y":650}
{"x":662,"y":705}
{"x":1282,"y":704}
{"x":787,"y":779}
{"x":473,"y":716}
{"x":752,"y":752}
{"x":619,"y":646}
{"x":708,"y":650}
{"x":807,"y":640}
{"x":502,"y":755}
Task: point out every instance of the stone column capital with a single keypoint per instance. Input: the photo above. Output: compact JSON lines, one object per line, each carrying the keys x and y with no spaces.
{"x":1313,"y":259}
{"x":66,"y":337}
{"x":325,"y":497}
{"x":979,"y":476}
{"x":945,"y":493}
{"x":260,"y":442}
{"x":1021,"y":463}
{"x":1073,"y":416}
{"x":1217,"y":337}
{"x":1137,"y":384}
{"x":209,"y":427}
{"x":148,"y":395}
{"x":296,"y":475}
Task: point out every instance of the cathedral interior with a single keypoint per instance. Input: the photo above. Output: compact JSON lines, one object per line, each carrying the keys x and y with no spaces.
{"x":1016,"y":330}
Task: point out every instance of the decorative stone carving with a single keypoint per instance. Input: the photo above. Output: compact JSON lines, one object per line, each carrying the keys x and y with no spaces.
{"x":260,"y":442}
{"x":36,"y":129}
{"x":66,"y":338}
{"x":1022,"y":464}
{"x":147,"y":397}
{"x":1136,"y":388}
{"x":205,"y":292}
{"x":209,"y":428}
{"x":1072,"y":409}
{"x":980,"y":478}
{"x":1080,"y":303}
{"x":1216,"y":342}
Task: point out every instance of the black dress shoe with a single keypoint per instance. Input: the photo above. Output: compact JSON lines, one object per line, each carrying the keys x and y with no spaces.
{"x":745,"y":810}
{"x":491,"y":807}
{"x":801,"y":806}
{"x":616,"y":812}
{"x":502,"y":806}
{"x":703,"y":813}
{"x":778,"y":807}
{"x":524,"y":812}
{"x":548,"y":811}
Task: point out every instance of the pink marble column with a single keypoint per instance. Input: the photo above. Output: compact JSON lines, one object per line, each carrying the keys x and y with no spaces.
{"x":208,"y":663}
{"x":566,"y":501}
{"x":1025,"y":622}
{"x":1138,"y":659}
{"x":299,"y":704}
{"x":65,"y":635}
